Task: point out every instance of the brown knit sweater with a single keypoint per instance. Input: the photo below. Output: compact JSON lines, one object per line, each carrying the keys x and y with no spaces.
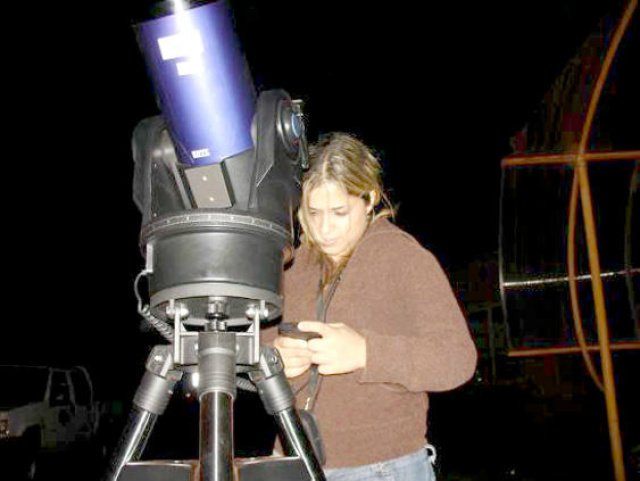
{"x":396,"y":295}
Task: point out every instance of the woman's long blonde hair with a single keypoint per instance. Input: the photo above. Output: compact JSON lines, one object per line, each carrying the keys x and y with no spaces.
{"x":345,"y":160}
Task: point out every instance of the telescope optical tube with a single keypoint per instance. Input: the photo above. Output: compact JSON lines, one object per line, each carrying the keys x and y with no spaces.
{"x":201,"y":80}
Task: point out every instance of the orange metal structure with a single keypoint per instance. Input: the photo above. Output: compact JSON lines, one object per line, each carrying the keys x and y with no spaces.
{"x":581,"y":189}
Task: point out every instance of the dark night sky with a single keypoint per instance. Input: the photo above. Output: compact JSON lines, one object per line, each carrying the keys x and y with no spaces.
{"x":437,"y":88}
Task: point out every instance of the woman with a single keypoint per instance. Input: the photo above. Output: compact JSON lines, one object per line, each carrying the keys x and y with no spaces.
{"x":391,"y":329}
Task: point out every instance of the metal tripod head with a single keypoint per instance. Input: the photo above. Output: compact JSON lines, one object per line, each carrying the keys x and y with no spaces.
{"x":218,"y":353}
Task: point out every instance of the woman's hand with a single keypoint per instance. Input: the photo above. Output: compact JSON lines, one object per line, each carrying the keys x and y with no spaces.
{"x":340,"y":349}
{"x":295,"y":354}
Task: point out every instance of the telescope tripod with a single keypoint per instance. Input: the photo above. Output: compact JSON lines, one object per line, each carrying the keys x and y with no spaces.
{"x":215,"y":352}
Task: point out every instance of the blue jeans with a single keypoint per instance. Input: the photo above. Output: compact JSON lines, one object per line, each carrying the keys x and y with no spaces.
{"x":412,"y":467}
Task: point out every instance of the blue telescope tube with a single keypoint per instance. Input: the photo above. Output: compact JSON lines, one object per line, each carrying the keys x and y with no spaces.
{"x":202,"y":82}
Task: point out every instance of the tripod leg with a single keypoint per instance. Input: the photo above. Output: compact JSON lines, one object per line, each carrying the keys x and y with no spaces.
{"x":278,"y":399}
{"x":217,"y":391}
{"x":150,"y":401}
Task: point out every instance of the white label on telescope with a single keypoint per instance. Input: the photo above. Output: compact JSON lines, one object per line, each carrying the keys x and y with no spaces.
{"x":190,"y":67}
{"x":198,"y":154}
{"x":180,"y":45}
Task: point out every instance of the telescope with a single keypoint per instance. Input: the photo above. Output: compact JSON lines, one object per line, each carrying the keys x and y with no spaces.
{"x":217,"y":181}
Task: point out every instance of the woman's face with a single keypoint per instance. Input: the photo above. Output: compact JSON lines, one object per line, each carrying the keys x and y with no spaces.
{"x":337,"y":220}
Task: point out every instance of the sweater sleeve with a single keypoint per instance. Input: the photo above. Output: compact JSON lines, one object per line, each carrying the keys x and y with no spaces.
{"x":430,"y":347}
